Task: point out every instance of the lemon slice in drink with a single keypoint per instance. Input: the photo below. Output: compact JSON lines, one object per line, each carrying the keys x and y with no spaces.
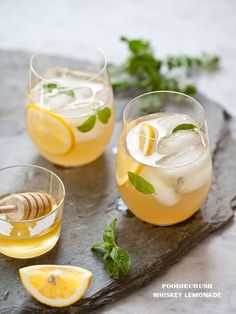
{"x":50,"y":132}
{"x":147,"y":138}
{"x":55,"y":285}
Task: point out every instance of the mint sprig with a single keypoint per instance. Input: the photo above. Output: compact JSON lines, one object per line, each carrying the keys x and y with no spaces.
{"x":184,"y":126}
{"x":51,"y":86}
{"x":70,"y":93}
{"x":87,"y":125}
{"x":140,"y":183}
{"x":144,"y":70}
{"x":117,"y":260}
{"x":104,"y":114}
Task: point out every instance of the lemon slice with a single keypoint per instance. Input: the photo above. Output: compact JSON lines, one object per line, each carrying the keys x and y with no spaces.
{"x":147,"y":138}
{"x":55,"y":285}
{"x":123,"y":165}
{"x":50,"y":132}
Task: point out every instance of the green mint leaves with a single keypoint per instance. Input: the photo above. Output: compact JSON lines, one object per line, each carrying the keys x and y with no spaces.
{"x":103,"y":116}
{"x":88,"y":124}
{"x":70,"y":93}
{"x":144,"y":70}
{"x":109,"y":235}
{"x":184,"y":126}
{"x":140,"y":183}
{"x":117,"y":260}
{"x":51,"y":86}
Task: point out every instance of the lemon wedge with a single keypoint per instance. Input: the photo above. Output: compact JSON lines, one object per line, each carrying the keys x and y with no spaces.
{"x":50,"y":132}
{"x":147,"y":138}
{"x":55,"y":285}
{"x":125,"y":164}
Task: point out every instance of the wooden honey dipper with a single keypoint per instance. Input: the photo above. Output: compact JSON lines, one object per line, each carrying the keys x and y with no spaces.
{"x":26,"y":206}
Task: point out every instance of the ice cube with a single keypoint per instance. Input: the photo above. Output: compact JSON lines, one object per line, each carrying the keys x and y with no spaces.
{"x":83,"y":93}
{"x":103,"y":95}
{"x":194,"y":174}
{"x":58,"y":100}
{"x":165,"y":194}
{"x":176,"y":142}
{"x":197,"y":178}
{"x":187,"y":155}
{"x":77,"y":109}
{"x":169,"y":121}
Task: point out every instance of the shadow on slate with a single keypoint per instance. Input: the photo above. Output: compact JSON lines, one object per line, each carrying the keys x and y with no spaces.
{"x":91,"y":197}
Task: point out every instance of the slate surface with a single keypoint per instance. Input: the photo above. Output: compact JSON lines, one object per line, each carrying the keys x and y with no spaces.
{"x":91,"y":197}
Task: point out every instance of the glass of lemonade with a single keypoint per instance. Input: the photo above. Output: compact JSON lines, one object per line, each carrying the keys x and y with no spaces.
{"x":163,"y":166}
{"x":70,"y":111}
{"x":30,"y":237}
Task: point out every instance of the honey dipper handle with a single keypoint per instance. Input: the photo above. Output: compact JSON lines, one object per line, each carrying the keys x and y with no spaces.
{"x":7,"y":209}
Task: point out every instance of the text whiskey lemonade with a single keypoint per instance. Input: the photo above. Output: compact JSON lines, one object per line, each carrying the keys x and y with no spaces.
{"x":70,"y":120}
{"x":163,"y":167}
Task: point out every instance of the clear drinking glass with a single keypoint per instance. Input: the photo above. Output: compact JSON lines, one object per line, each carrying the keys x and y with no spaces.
{"x":70,"y":112}
{"x":31,"y":237}
{"x":163,"y":166}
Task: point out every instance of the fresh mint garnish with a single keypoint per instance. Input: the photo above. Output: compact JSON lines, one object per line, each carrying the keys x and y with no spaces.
{"x":104,"y":114}
{"x":109,"y":235}
{"x":121,"y":257}
{"x":144,"y":70}
{"x":110,"y":266}
{"x":70,"y":93}
{"x":117,"y":260}
{"x":185,"y":126}
{"x":87,"y":125}
{"x":140,"y":183}
{"x":49,"y":87}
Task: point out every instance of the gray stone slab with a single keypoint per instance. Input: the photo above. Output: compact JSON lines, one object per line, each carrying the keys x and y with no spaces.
{"x":90,"y":204}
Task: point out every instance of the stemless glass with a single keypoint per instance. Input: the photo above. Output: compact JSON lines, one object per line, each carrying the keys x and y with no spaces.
{"x":32,"y":237}
{"x":70,"y":111}
{"x":163,"y":166}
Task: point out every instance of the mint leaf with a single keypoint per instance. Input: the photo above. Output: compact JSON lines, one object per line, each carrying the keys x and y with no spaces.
{"x":185,"y":126}
{"x":109,"y":235}
{"x":70,"y":93}
{"x":122,"y":258}
{"x":87,"y":125}
{"x":100,"y":246}
{"x":49,"y":87}
{"x":111,"y":266}
{"x":104,"y":114}
{"x":117,"y":261}
{"x":136,"y":45}
{"x":140,"y":183}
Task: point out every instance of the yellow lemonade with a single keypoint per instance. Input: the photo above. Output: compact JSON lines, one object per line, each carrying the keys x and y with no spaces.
{"x":163,"y":167}
{"x":29,"y":238}
{"x":71,"y":120}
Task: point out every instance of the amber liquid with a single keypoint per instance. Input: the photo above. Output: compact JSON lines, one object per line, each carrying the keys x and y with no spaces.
{"x":31,"y":238}
{"x":150,"y":207}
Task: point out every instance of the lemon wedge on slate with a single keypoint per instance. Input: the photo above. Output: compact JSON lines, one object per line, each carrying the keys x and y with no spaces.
{"x":54,"y":285}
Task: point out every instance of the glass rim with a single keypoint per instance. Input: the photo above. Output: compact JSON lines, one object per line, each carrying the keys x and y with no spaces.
{"x":46,"y":170}
{"x":127,"y":125}
{"x":83,"y":43}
